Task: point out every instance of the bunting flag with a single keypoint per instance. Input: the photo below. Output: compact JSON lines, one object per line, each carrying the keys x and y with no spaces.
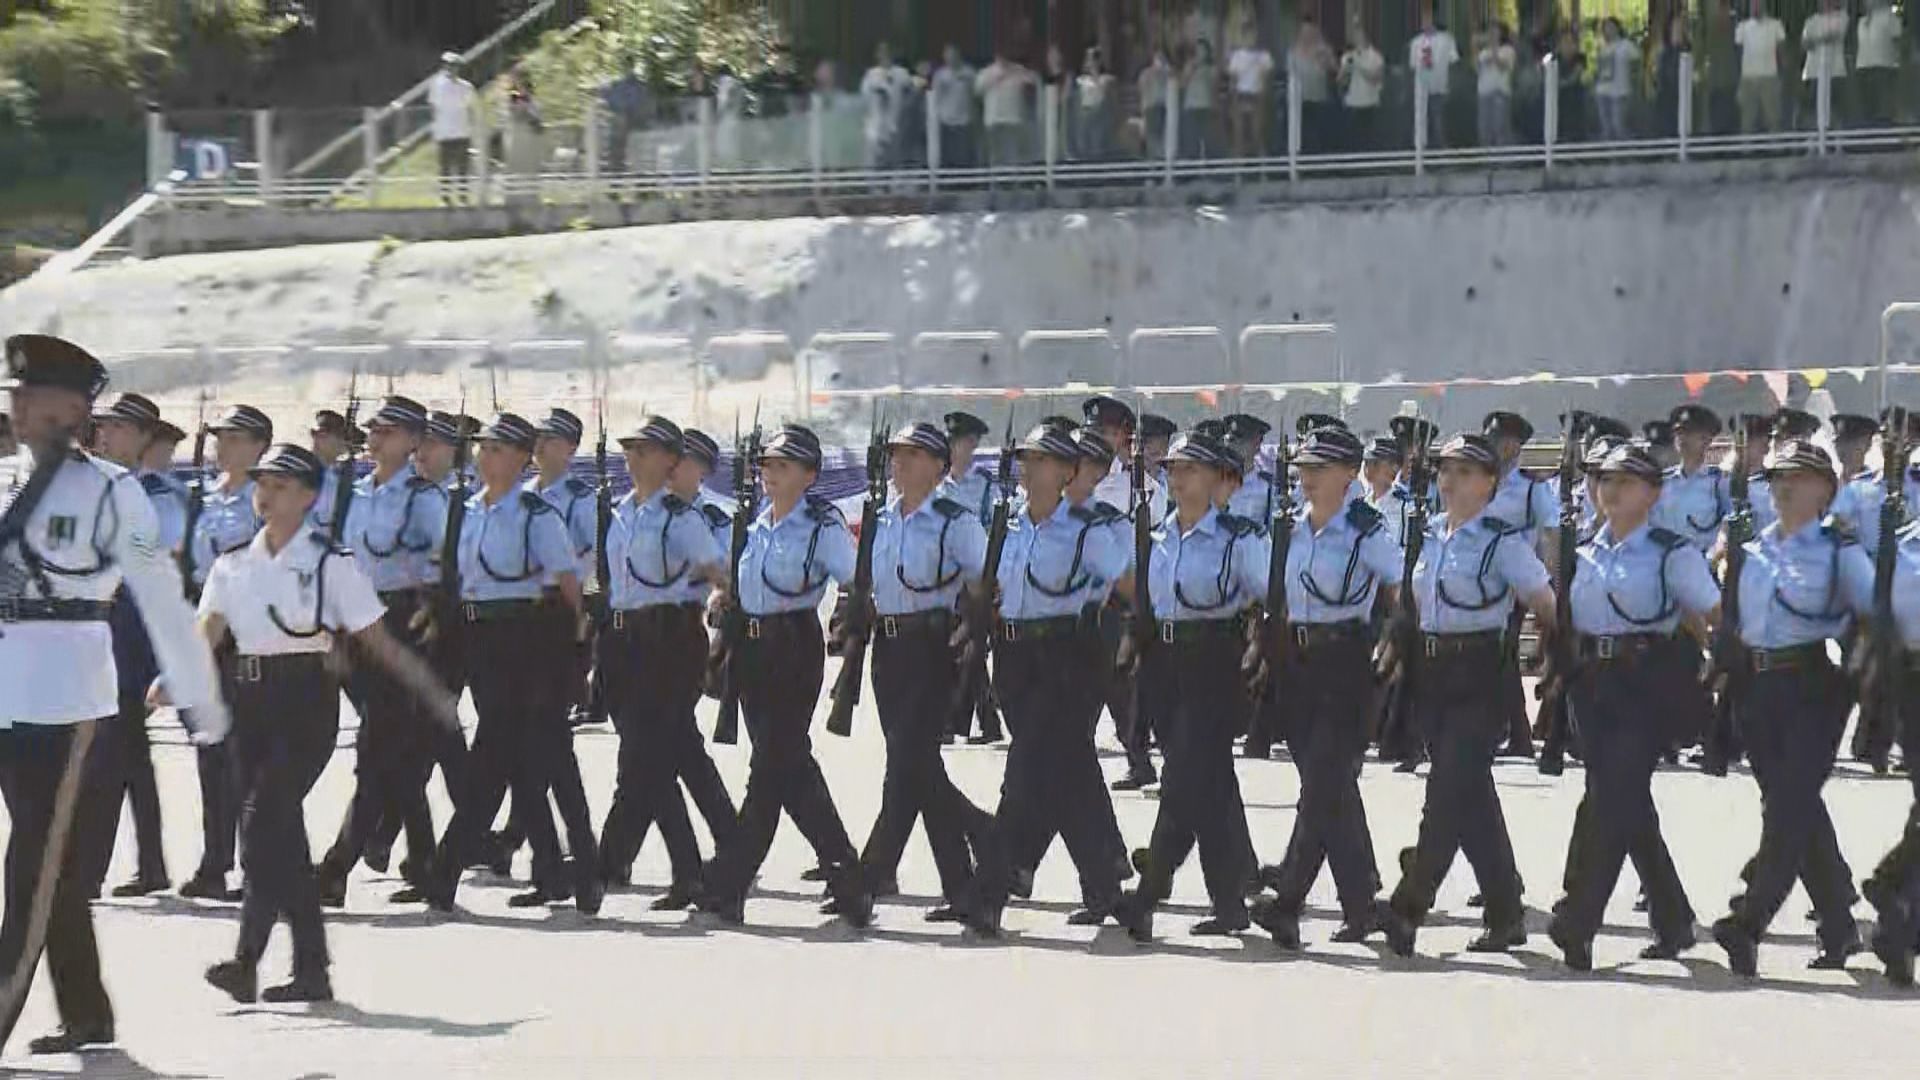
{"x":1696,"y":381}
{"x":1776,"y":384}
{"x":1816,"y":377}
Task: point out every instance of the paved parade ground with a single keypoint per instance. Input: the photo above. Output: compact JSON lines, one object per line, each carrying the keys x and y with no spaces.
{"x":493,"y":992}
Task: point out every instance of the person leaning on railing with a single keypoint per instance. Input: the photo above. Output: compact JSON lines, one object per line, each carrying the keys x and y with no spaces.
{"x":1877,"y":63}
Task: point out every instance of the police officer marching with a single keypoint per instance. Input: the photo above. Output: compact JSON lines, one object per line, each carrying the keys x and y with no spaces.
{"x":654,"y":653}
{"x":394,"y":527}
{"x":73,"y":529}
{"x":1803,"y":581}
{"x":286,"y":599}
{"x":1473,"y":569}
{"x":558,"y":441}
{"x":1339,"y":554}
{"x":520,"y":609}
{"x":1632,"y":585}
{"x":1894,"y":887}
{"x":796,"y":544}
{"x":971,"y":486}
{"x":1206,"y":569}
{"x":227,"y":522}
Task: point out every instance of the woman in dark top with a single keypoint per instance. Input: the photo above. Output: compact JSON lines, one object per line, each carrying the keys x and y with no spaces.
{"x":1667,"y":89}
{"x":1573,"y":89}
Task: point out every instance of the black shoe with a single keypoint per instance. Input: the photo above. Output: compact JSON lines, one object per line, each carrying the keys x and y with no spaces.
{"x":67,"y":1040}
{"x":199,"y":887}
{"x":407,"y":894}
{"x":1668,"y":947}
{"x":884,"y":887}
{"x":1578,"y":952}
{"x":984,"y":922}
{"x":1136,"y":914}
{"x":1134,"y":781}
{"x":1020,"y":884}
{"x":1140,"y":857}
{"x":1896,"y":956}
{"x":829,"y":906}
{"x":378,"y":861}
{"x":1408,"y":765}
{"x":535,"y":897}
{"x":1225,"y":924}
{"x":589,"y":894}
{"x":1399,"y":929}
{"x":300,"y":988}
{"x":1094,"y":914}
{"x":237,"y":979}
{"x":982,"y":740}
{"x":679,"y":896}
{"x":856,"y":910}
{"x":1499,"y":939}
{"x":141,"y":886}
{"x":617,"y":877}
{"x":1477,"y":900}
{"x":1743,"y":951}
{"x":1358,"y":929}
{"x":1282,"y":926}
{"x":945,"y":913}
{"x":332,"y":886}
{"x":729,"y":908}
{"x":817,"y":874}
{"x":1834,"y":958}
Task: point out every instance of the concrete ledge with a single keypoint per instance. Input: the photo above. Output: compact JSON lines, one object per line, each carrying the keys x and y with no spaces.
{"x":243,"y":224}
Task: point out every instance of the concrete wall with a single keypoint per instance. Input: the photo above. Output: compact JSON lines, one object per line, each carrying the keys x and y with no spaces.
{"x":1656,"y":278}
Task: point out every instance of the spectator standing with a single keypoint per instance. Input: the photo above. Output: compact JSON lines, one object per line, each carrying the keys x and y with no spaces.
{"x":1669,"y":75}
{"x":1154,"y":82}
{"x":1431,"y":54}
{"x":1250,"y":71}
{"x":1363,"y":74}
{"x":1494,"y":60}
{"x":1311,"y":63}
{"x":1002,"y":87}
{"x":626,"y":102}
{"x":1759,"y":37}
{"x":1094,"y":97}
{"x":913,"y":117}
{"x":729,"y":113}
{"x":1061,"y":82}
{"x":953,"y":106}
{"x":882,"y":93}
{"x":1572,"y":89}
{"x":1613,"y":82}
{"x":1723,"y":70}
{"x":1199,"y":87}
{"x":1824,"y":40}
{"x":451,"y":98}
{"x":1877,"y":62}
{"x":526,"y":140}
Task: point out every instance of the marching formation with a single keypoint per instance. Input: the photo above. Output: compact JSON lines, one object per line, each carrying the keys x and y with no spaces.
{"x":1363,"y":593}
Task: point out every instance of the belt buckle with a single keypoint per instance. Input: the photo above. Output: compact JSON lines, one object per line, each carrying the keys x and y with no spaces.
{"x":1606,"y":648}
{"x":753,"y":628}
{"x":1300,"y":636}
{"x":250,"y":669}
{"x":1009,"y":631}
{"x":619,"y":620}
{"x":889,"y":627}
{"x":1432,"y":646}
{"x":470,"y":612}
{"x":1166,"y":632}
{"x":1762,"y":660}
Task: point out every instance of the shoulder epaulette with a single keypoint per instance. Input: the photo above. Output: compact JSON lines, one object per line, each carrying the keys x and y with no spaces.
{"x":1499,"y":525}
{"x":326,"y":544}
{"x":1839,"y":530}
{"x":1666,"y":538}
{"x":1104,"y":511}
{"x":420,"y":483}
{"x":154,"y":484}
{"x":1086,"y":515}
{"x":715,"y":516}
{"x":674,"y":505}
{"x":821,"y":509}
{"x":1238,"y":525}
{"x":1364,"y":517}
{"x":535,"y":504}
{"x":949,"y":509}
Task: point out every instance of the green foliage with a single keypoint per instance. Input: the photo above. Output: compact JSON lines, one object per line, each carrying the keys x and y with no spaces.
{"x":662,"y":41}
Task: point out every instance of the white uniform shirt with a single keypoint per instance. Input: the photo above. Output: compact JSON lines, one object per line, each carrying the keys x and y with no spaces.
{"x":97,"y":525}
{"x":250,"y":587}
{"x":451,"y":98}
{"x":1117,"y":488}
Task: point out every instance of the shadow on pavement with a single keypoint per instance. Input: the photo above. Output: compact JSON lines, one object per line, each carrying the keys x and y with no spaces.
{"x":106,"y":1063}
{"x":346,"y":1015}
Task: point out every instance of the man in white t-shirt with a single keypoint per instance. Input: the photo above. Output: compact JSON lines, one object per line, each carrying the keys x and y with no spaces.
{"x":883,"y":91}
{"x":1250,"y":71}
{"x":1003,"y":99}
{"x":1824,"y":40}
{"x":953,"y":107}
{"x":1431,"y":54}
{"x":1759,"y":37}
{"x":1877,"y":63}
{"x":451,"y":98}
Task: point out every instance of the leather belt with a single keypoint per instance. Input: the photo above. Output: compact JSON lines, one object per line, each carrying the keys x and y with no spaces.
{"x":23,"y":610}
{"x":480,"y":611}
{"x":1436,"y":646}
{"x":259,"y":669}
{"x":1187,"y":631}
{"x":1611,"y":648}
{"x":1038,"y":629}
{"x":653,"y":614}
{"x":1310,"y":636}
{"x":937,"y":621}
{"x":758,"y":625}
{"x":1790,"y":658}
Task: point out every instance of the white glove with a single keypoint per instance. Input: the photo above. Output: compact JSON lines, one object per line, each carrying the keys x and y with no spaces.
{"x":207,"y":725}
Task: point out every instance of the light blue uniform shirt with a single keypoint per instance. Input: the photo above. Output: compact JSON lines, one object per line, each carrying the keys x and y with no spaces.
{"x":169,"y":500}
{"x":973,"y":489}
{"x":1333,"y":574}
{"x":1255,"y":499}
{"x":396,"y":530}
{"x":718,"y":519}
{"x":1395,"y":506}
{"x":921,"y":560}
{"x":574,"y":499}
{"x":1059,"y":565}
{"x":1695,"y":505}
{"x":1214,"y":570}
{"x":1802,"y":588}
{"x":1469,"y":578}
{"x":1858,"y":506}
{"x":1527,"y":504}
{"x":787,"y":563}
{"x":654,"y":548}
{"x":321,"y":516}
{"x":1639,"y":585}
{"x":512,"y":549}
{"x":1760,"y":497}
{"x":1906,"y":586}
{"x":226,"y":523}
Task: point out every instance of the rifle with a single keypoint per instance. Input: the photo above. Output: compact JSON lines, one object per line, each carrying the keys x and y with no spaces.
{"x":1404,"y":631}
{"x":1140,"y":620}
{"x":1729,"y":653}
{"x":1556,"y":683}
{"x":853,"y":654}
{"x":1278,"y":639}
{"x":343,"y":470}
{"x":1880,"y":688}
{"x":456,"y":518}
{"x":973,"y":685}
{"x":733,"y":630}
{"x":196,"y":497}
{"x":602,"y":507}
